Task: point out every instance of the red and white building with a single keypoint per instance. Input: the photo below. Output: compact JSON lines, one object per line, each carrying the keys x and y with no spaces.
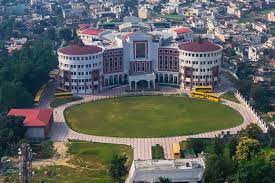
{"x":80,"y":68}
{"x":199,"y":63}
{"x":139,"y":59}
{"x":37,"y":121}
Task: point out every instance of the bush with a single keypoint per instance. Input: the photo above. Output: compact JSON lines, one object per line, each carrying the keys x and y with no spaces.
{"x":272,"y":143}
{"x":196,"y":144}
{"x":157,"y":152}
{"x":47,"y":149}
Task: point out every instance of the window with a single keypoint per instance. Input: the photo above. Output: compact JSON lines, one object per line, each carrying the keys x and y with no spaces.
{"x":141,"y":49}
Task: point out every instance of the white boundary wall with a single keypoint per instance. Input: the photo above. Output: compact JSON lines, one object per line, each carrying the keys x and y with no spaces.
{"x":260,"y":122}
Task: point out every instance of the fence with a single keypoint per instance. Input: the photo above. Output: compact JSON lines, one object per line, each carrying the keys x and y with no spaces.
{"x":261,"y":123}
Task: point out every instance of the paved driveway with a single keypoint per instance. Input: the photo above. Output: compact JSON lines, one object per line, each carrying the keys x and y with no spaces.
{"x":142,"y":146}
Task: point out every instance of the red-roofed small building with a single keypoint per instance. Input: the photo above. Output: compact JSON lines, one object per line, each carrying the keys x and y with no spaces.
{"x":37,"y":121}
{"x":89,"y":35}
{"x":182,"y":33}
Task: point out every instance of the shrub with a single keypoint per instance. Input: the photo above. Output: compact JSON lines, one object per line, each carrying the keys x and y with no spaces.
{"x":272,"y":143}
{"x":47,"y":149}
{"x":157,"y":152}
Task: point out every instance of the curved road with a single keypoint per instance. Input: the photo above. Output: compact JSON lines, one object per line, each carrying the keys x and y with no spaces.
{"x":142,"y":146}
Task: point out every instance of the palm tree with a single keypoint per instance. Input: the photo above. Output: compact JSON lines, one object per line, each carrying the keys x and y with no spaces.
{"x":163,"y":180}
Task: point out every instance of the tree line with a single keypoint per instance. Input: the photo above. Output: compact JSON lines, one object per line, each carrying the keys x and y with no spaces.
{"x":23,"y":72}
{"x":240,"y":159}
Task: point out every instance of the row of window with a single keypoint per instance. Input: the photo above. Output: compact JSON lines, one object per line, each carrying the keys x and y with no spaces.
{"x":202,"y":77}
{"x":170,"y":51}
{"x":166,"y":58}
{"x":80,"y":73}
{"x":201,"y":70}
{"x":140,"y":67}
{"x":81,"y":58}
{"x":113,"y":58}
{"x":80,"y":66}
{"x":199,"y":63}
{"x":115,"y":52}
{"x":202,"y":84}
{"x":81,"y":87}
{"x":80,"y":80}
{"x":202,"y":54}
{"x":165,"y":65}
{"x":113,"y":66}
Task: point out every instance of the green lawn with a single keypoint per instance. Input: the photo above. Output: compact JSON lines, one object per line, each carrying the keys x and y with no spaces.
{"x":91,"y":161}
{"x":230,"y":96}
{"x":151,"y":116}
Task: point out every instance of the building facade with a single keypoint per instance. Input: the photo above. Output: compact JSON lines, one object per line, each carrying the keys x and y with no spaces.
{"x":180,"y":170}
{"x":140,"y":59}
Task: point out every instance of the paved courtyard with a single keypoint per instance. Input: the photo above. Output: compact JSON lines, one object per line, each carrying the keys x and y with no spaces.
{"x":142,"y":146}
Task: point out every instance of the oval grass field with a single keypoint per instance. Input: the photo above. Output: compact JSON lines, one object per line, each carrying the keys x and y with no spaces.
{"x":151,"y":116}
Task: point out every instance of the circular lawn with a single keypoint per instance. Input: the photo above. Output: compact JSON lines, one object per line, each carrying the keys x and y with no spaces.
{"x":151,"y":116}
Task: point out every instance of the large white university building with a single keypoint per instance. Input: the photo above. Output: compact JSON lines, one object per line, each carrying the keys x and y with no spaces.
{"x":137,"y":57}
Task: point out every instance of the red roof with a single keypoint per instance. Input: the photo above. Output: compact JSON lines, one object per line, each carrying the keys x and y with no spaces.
{"x":80,"y":49}
{"x":182,"y":30}
{"x":199,"y":47}
{"x":84,"y":26}
{"x":33,"y":117}
{"x":94,"y":32}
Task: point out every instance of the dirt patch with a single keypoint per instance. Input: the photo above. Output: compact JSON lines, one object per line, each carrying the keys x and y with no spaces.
{"x":60,"y":158}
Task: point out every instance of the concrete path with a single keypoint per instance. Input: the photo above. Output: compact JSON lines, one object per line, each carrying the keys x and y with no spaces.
{"x":142,"y":146}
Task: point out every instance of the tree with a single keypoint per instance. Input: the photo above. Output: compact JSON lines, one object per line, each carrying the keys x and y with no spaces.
{"x":118,"y":170}
{"x":163,"y":180}
{"x":256,"y":170}
{"x":65,"y":34}
{"x":247,"y":149}
{"x":24,"y":72}
{"x":217,"y":146}
{"x":272,"y":82}
{"x":196,"y":144}
{"x":233,"y":146}
{"x":252,"y":131}
{"x":214,"y":169}
{"x":12,"y":131}
{"x":51,"y":34}
{"x":244,"y":87}
{"x":47,"y":150}
{"x":260,"y":96}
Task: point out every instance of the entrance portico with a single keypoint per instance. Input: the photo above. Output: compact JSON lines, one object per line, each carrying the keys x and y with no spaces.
{"x":134,"y":79}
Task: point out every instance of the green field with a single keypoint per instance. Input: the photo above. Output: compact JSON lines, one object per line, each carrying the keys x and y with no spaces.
{"x":91,"y":163}
{"x":151,"y":116}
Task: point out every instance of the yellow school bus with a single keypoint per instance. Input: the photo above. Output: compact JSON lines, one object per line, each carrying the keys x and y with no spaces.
{"x":208,"y":96}
{"x":198,"y":95}
{"x":63,"y":95}
{"x":176,"y":150}
{"x":213,"y":98}
{"x":204,"y":89}
{"x":39,"y":94}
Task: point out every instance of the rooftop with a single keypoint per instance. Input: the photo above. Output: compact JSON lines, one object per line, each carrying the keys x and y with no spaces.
{"x":80,"y":49}
{"x":199,"y":46}
{"x":181,"y":30}
{"x":90,"y":31}
{"x":176,"y":170}
{"x":33,"y":117}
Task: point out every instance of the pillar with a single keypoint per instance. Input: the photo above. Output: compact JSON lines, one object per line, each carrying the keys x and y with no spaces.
{"x":154,"y":85}
{"x":135,"y":85}
{"x":130,"y":85}
{"x":148,"y":82}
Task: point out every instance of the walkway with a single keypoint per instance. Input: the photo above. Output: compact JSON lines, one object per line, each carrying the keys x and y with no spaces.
{"x":142,"y":146}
